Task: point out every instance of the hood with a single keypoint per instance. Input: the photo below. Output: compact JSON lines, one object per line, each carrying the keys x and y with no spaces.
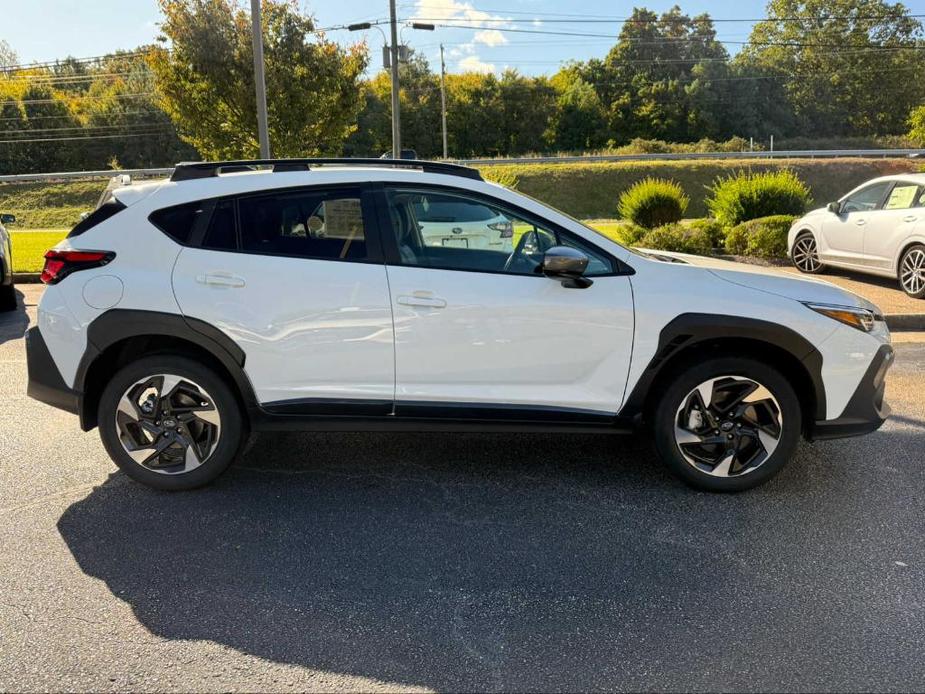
{"x":769,"y":279}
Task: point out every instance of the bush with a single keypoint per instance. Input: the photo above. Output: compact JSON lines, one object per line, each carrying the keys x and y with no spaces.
{"x":680,"y":238}
{"x":738,"y":198}
{"x":713,"y":229}
{"x":653,"y":202}
{"x":760,"y":238}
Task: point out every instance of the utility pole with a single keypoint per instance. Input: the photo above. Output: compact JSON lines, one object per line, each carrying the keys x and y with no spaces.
{"x":396,"y":108}
{"x":260,"y":83}
{"x":443,"y":100}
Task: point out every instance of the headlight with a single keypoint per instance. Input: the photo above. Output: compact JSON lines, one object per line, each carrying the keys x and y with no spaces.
{"x":861,"y":318}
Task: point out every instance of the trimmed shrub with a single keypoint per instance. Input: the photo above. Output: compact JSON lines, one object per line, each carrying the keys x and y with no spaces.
{"x":653,"y":202}
{"x":680,"y":238}
{"x":760,"y":238}
{"x":712,"y":228}
{"x":739,"y":198}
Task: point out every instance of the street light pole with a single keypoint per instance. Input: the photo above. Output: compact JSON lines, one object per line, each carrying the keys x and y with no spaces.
{"x":396,"y":107}
{"x":443,"y":100}
{"x":260,"y":84}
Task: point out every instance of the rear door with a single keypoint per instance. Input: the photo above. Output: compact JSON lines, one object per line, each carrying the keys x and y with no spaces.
{"x":295,"y":277}
{"x":844,"y":232}
{"x":890,"y":226}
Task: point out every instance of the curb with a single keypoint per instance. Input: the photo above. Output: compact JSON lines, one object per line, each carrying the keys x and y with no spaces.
{"x":896,"y":322}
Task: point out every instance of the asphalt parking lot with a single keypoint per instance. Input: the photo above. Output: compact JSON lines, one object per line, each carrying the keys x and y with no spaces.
{"x":458,"y":562}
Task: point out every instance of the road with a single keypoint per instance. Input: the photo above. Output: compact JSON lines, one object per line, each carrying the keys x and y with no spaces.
{"x":458,"y":562}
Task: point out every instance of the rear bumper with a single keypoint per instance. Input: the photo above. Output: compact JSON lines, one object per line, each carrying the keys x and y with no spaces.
{"x":867,"y":410}
{"x":45,"y":381}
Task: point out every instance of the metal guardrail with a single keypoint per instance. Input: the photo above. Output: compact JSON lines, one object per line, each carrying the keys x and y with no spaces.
{"x":593,"y":158}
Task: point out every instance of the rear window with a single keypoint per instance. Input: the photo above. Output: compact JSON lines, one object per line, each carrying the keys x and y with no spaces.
{"x":178,"y":222}
{"x":431,"y":209}
{"x":98,"y":216}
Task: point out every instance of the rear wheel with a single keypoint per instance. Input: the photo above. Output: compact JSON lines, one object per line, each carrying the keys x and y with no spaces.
{"x":805,"y":254}
{"x":8,"y":298}
{"x":912,"y":271}
{"x":170,"y":422}
{"x":727,"y":424}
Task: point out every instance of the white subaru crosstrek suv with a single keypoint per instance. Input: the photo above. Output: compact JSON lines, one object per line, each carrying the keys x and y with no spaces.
{"x":183,"y":314}
{"x":877,"y":228}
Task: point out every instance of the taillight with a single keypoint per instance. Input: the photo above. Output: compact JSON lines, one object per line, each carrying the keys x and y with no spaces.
{"x":60,"y":264}
{"x":506,"y":229}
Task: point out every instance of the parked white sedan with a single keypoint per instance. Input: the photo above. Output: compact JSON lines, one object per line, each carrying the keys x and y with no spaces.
{"x":877,"y":228}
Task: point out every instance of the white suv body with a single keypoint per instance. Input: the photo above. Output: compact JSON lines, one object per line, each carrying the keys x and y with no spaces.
{"x":184,"y":313}
{"x":877,"y":228}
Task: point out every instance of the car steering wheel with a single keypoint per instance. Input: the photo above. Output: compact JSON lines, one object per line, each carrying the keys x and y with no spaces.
{"x":517,"y":257}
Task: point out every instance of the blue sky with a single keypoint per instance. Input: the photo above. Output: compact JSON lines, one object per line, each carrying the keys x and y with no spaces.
{"x":42,"y":30}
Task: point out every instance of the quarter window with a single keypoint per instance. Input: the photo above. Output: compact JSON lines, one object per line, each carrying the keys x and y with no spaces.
{"x":454,"y":232}
{"x":221,"y":232}
{"x":178,"y":221}
{"x":307,"y":224}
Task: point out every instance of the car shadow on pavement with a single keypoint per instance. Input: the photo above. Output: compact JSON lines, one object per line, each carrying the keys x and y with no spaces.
{"x":14,"y":323}
{"x":474,"y":562}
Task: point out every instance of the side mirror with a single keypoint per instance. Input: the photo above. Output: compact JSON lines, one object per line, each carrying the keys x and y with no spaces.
{"x":568,"y":265}
{"x":7,"y":218}
{"x":834,"y":207}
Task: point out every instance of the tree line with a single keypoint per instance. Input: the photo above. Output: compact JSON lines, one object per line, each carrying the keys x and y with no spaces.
{"x":812,"y":70}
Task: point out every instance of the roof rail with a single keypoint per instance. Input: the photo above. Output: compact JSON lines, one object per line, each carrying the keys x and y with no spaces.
{"x":186,"y":171}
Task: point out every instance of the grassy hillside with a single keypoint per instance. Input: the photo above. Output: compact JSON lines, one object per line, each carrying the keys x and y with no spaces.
{"x":42,"y":205}
{"x":592,"y":190}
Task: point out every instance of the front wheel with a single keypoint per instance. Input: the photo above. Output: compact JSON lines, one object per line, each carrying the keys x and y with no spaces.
{"x":170,"y":423}
{"x":805,"y":254}
{"x":912,"y":271}
{"x":727,"y":424}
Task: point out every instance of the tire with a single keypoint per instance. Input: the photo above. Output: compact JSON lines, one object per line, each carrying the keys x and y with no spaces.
{"x":804,"y":254}
{"x":200,"y":435}
{"x":8,"y":298}
{"x":697,"y":454}
{"x":911,"y":272}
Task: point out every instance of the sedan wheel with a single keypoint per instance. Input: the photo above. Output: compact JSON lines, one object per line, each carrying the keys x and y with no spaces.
{"x":912,"y":272}
{"x":805,"y":254}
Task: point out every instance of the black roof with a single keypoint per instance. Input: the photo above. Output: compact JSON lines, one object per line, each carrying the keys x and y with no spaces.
{"x":186,"y":171}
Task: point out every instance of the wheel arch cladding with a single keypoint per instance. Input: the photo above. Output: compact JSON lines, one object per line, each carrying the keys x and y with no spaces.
{"x":120,"y":336}
{"x":693,"y":337}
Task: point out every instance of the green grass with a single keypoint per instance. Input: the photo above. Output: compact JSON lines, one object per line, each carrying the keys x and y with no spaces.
{"x":29,"y":248}
{"x":42,"y":205}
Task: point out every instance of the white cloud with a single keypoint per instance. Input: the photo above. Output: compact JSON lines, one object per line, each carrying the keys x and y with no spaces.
{"x":472,"y":63}
{"x":490,"y":37}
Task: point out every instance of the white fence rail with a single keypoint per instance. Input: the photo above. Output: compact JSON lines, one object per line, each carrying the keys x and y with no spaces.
{"x":782,"y":154}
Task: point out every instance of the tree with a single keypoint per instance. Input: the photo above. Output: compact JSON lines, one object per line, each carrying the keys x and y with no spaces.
{"x":206,"y":84}
{"x":580,"y":121}
{"x":8,"y":57}
{"x":847,"y":67}
{"x":917,"y":125}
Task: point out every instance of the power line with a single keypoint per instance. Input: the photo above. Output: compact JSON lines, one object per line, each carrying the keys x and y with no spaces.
{"x":630,"y":20}
{"x":89,"y":137}
{"x":87,"y":96}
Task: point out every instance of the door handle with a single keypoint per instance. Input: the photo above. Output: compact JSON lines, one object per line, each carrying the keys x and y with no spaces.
{"x":861,"y":222}
{"x":910,"y":218}
{"x":422,"y":301}
{"x":221,"y":279}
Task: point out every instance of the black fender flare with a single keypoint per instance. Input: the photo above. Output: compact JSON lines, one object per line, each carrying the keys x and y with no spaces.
{"x":690,"y":329}
{"x":117,"y":325}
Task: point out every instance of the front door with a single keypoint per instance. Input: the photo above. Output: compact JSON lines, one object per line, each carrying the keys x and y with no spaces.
{"x":480,"y":330}
{"x":844,"y":232}
{"x":299,"y":285}
{"x":901,"y":214}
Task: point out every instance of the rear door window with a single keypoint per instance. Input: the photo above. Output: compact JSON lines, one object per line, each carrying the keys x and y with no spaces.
{"x":325,"y":224}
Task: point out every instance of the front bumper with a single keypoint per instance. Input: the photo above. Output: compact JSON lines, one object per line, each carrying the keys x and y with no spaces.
{"x":45,"y":381}
{"x":867,"y":410}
